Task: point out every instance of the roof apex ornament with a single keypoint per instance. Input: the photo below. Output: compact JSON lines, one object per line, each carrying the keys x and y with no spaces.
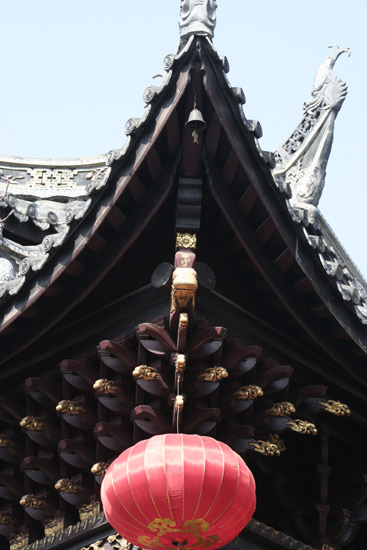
{"x":197,"y":17}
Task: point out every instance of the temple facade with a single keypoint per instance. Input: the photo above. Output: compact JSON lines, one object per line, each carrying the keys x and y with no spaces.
{"x":186,"y":282}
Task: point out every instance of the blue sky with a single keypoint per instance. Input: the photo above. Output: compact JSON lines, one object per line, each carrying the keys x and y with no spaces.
{"x":74,"y":71}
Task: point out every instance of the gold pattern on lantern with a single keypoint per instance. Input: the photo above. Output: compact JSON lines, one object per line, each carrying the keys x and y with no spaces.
{"x":336,"y":407}
{"x":194,"y":527}
{"x":186,"y":240}
{"x":282,"y":409}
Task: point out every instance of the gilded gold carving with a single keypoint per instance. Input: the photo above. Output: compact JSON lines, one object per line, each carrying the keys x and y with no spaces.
{"x":302,"y":427}
{"x":68,"y":486}
{"x":5,"y":441}
{"x":19,"y":541}
{"x":163,"y":526}
{"x":99,"y":468}
{"x":89,"y":510}
{"x":5,"y":519}
{"x":106,"y":386}
{"x":33,"y":502}
{"x":184,"y":287}
{"x":186,"y":240}
{"x":282,"y":409}
{"x":180,"y":363}
{"x":335,"y":407}
{"x":118,"y":542}
{"x":273,"y":447}
{"x":146,"y":373}
{"x":94,"y":546}
{"x":69,"y":407}
{"x":53,"y":526}
{"x":328,"y":547}
{"x":32,"y":424}
{"x":248,"y":392}
{"x":183,"y":322}
{"x":214,"y":374}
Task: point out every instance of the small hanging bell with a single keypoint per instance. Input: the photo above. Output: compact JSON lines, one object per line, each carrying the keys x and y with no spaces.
{"x":196,"y":121}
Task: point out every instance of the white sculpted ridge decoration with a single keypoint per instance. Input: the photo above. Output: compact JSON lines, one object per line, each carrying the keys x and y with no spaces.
{"x":197,"y":17}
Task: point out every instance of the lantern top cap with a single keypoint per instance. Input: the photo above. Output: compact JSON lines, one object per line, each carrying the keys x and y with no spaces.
{"x":197,"y":17}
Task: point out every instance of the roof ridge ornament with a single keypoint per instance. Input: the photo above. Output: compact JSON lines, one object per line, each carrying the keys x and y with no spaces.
{"x":197,"y":17}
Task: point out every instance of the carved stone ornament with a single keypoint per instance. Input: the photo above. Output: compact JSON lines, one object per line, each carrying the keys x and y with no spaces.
{"x":19,"y":541}
{"x":49,"y":197}
{"x":302,"y":427}
{"x":32,"y":424}
{"x":336,"y":407}
{"x":214,"y":374}
{"x":301,"y":161}
{"x":197,"y":17}
{"x":186,"y":240}
{"x":69,"y":407}
{"x":146,"y":373}
{"x":33,"y":502}
{"x":89,"y":510}
{"x":282,"y":409}
{"x":53,"y":526}
{"x":106,"y":386}
{"x":68,"y":486}
{"x":248,"y":392}
{"x":273,"y":447}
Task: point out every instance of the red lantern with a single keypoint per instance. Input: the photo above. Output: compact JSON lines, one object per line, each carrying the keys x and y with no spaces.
{"x":179,"y":490}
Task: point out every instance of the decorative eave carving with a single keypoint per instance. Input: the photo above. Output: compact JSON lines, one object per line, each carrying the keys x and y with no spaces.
{"x":49,"y":195}
{"x":197,"y":17}
{"x":301,"y":161}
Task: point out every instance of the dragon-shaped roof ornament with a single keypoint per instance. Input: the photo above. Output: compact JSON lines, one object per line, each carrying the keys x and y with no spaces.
{"x":302,"y":159}
{"x":197,"y":17}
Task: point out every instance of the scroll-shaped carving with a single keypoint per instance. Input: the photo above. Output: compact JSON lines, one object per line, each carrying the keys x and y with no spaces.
{"x":336,"y":407}
{"x":118,"y":543}
{"x":68,"y":486}
{"x":54,"y":526}
{"x":302,"y":159}
{"x":197,"y":17}
{"x":33,"y":502}
{"x":282,"y":409}
{"x":302,"y":427}
{"x":273,"y":447}
{"x":32,"y":424}
{"x":99,"y":468}
{"x":106,"y":386}
{"x":19,"y":541}
{"x":90,"y":510}
{"x":145,"y":373}
{"x":69,"y":407}
{"x":214,"y":374}
{"x":248,"y":392}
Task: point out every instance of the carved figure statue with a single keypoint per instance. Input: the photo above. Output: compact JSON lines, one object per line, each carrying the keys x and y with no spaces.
{"x":302,"y":159}
{"x":197,"y":17}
